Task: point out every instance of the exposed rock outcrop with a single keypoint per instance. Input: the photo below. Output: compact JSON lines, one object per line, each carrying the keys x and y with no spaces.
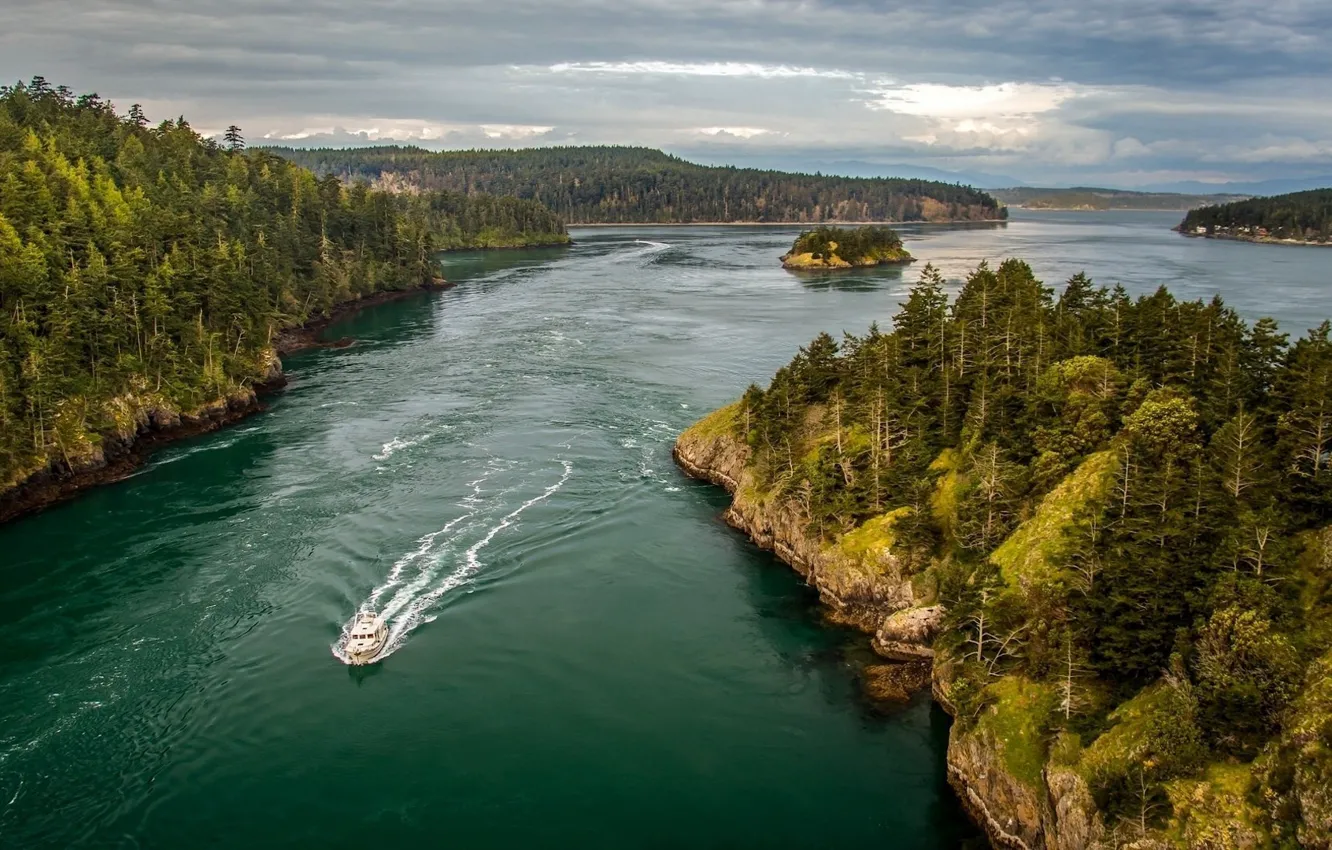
{"x":145,"y":421}
{"x":1020,"y":799}
{"x":907,"y":635}
{"x":1004,"y":784}
{"x":862,"y":579}
{"x":146,"y":425}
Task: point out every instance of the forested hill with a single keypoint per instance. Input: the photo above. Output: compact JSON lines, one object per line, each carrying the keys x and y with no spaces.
{"x":1124,"y":506}
{"x":1298,"y":217}
{"x":144,"y":271}
{"x":632,"y":185}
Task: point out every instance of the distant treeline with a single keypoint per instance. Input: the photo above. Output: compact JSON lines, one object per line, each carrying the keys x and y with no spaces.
{"x":1303,"y":216}
{"x":144,"y":271}
{"x":636,"y":185}
{"x":1091,"y":198}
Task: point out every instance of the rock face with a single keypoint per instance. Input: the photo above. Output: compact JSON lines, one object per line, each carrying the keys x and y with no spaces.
{"x":867,"y":586}
{"x":907,"y":635}
{"x":146,"y":426}
{"x":147,"y":421}
{"x":807,"y":261}
{"x":863,"y":587}
{"x":1056,"y":812}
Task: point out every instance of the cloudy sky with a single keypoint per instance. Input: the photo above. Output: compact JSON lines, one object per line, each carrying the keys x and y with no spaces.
{"x":1112,"y":92}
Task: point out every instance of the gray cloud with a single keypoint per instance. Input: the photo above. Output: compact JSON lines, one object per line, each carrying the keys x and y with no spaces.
{"x":1046,"y":90}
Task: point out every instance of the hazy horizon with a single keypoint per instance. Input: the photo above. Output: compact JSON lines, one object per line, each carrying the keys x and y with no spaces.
{"x":1125,"y":94}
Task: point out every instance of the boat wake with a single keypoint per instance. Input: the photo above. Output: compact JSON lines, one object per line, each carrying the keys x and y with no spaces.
{"x":444,"y":560}
{"x":642,"y":248}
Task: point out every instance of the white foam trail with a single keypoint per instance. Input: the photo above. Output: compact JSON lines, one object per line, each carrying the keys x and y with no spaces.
{"x":397,"y":444}
{"x":426,"y":544}
{"x":416,"y":612}
{"x":409,"y":606}
{"x":656,"y":246}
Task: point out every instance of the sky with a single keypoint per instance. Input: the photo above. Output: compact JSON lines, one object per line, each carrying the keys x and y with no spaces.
{"x":1128,"y":93}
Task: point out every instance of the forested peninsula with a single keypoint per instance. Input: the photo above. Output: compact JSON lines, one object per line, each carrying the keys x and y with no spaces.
{"x":147,"y":277}
{"x":845,"y":247}
{"x":624,"y":185}
{"x":1104,"y":527}
{"x":1303,"y":218}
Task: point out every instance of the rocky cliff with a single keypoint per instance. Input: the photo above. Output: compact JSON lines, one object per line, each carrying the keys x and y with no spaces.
{"x":146,"y":420}
{"x":862,"y":579}
{"x":997,"y":762}
{"x":142,"y":423}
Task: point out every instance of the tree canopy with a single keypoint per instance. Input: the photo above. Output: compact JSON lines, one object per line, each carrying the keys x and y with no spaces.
{"x":1111,"y":494}
{"x":148,"y":267}
{"x":1301,"y":216}
{"x":623,"y":184}
{"x":857,"y":246}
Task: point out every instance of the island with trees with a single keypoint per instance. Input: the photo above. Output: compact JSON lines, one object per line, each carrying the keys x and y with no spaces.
{"x":1101,"y":527}
{"x":627,"y":185}
{"x":1299,"y":218}
{"x":147,"y":276}
{"x":846,"y":247}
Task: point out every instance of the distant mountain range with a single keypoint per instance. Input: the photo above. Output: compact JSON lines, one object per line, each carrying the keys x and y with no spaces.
{"x":987,"y":180}
{"x":1281,"y":186}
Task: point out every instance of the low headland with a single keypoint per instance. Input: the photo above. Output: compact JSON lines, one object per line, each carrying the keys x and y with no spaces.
{"x":1108,"y":549}
{"x":1090,"y":198}
{"x":844,"y":248}
{"x":1300,"y":218}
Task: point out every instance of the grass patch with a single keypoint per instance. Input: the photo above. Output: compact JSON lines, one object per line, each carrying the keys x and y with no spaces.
{"x":723,"y":422}
{"x":1017,"y":719}
{"x":872,"y":537}
{"x":1035,"y":551}
{"x":947,"y":492}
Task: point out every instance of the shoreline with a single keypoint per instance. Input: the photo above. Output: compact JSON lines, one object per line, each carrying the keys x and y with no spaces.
{"x":1010,"y":815}
{"x":534,"y":246}
{"x":121,"y":455}
{"x":837,"y":222}
{"x":1256,"y":240}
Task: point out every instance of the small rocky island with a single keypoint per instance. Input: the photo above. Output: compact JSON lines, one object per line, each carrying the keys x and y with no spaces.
{"x":846,"y":247}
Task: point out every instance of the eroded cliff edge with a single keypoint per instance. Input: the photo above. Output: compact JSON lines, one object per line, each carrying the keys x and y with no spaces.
{"x":145,"y":421}
{"x":1026,"y":788}
{"x":863,"y":581}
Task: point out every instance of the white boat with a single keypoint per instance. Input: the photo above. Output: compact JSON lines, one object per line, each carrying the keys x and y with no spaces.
{"x":366,"y":638}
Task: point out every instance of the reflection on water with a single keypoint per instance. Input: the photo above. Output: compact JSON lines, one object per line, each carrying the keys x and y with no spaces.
{"x":866,"y":279}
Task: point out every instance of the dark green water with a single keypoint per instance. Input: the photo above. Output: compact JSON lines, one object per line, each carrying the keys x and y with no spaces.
{"x":583,"y":655}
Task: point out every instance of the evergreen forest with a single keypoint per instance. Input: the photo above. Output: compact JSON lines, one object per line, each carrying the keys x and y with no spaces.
{"x":146,"y":268}
{"x":856,"y":246}
{"x":634,"y":185}
{"x":1122,"y":503}
{"x":1301,"y":216}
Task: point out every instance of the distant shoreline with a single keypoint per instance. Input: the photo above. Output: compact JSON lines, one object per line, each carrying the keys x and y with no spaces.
{"x":1257,"y":240}
{"x":775,"y":223}
{"x":1101,"y":209}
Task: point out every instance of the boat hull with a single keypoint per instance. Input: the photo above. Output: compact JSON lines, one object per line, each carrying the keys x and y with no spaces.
{"x":366,"y":656}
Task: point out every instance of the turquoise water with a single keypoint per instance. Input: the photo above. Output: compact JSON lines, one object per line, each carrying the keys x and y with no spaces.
{"x":583,"y":655}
